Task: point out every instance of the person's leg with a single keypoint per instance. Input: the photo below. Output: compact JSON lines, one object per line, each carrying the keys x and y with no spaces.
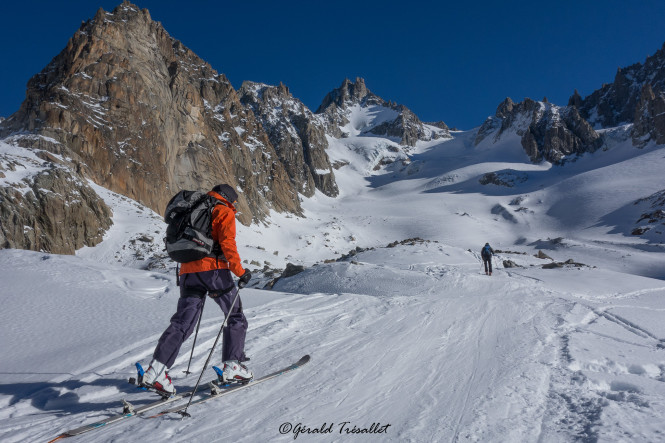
{"x":182,"y":324}
{"x":235,"y":331}
{"x":223,"y":290}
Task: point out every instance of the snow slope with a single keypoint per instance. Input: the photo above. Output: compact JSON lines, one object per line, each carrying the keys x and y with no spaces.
{"x":409,"y":334}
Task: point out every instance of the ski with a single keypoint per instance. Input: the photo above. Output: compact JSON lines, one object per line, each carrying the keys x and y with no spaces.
{"x":129,"y":410}
{"x":220,"y":391}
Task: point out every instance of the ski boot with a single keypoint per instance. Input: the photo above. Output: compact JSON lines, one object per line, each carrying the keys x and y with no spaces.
{"x":157,"y":378}
{"x":233,"y":372}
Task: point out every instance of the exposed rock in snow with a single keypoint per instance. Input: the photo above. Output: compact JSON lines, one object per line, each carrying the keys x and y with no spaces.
{"x":649,"y":124}
{"x":297,"y":135}
{"x":45,"y":206}
{"x":547,"y":132}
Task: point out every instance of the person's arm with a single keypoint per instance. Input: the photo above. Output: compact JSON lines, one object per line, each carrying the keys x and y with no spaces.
{"x":224,"y":229}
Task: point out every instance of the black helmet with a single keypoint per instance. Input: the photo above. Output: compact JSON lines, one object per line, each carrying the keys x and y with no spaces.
{"x":227,"y":192}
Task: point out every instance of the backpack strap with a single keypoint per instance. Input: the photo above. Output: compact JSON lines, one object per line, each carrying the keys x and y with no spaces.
{"x":216,"y":249}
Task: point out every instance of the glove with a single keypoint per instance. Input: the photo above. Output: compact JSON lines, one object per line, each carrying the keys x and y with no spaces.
{"x":246,"y":277}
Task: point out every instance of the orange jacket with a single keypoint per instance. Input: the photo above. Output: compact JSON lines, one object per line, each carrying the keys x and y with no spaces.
{"x":224,"y":233}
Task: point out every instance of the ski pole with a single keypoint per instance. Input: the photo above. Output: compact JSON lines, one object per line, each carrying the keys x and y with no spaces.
{"x":184,"y":411}
{"x":196,"y":335}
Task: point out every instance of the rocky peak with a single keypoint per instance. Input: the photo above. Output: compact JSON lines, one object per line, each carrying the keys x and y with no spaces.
{"x":575,"y":100}
{"x":354,"y":92}
{"x":142,"y":115}
{"x":505,"y":108}
{"x":349,"y":94}
{"x":272,"y":94}
{"x":615,"y":103}
{"x":297,"y":135}
{"x":390,"y":120}
{"x":548,"y":132}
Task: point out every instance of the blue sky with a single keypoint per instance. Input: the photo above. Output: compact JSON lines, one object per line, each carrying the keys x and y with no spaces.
{"x":450,"y":61}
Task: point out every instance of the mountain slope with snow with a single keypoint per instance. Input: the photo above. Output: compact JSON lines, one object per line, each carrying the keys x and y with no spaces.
{"x":412,"y":336}
{"x":407,"y":333}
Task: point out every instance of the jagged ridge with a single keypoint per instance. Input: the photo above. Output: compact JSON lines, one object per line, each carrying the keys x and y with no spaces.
{"x":296,"y":133}
{"x":548,"y":132}
{"x":142,"y":115}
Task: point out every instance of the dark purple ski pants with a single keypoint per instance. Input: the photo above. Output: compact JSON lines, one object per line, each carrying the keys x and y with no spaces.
{"x":219,"y":285}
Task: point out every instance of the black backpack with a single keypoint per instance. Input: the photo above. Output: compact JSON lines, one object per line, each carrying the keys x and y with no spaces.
{"x":486,"y":252}
{"x":189,"y":232}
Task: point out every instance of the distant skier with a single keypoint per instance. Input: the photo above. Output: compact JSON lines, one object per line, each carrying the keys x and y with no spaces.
{"x":211,"y":276}
{"x":486,"y":253}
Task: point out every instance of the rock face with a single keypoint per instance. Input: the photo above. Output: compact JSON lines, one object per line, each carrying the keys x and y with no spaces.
{"x":51,"y":209}
{"x":651,"y":223}
{"x":390,"y":120}
{"x":142,"y":115}
{"x":649,"y":122}
{"x":616,"y":103}
{"x":297,"y":135}
{"x":548,"y":132}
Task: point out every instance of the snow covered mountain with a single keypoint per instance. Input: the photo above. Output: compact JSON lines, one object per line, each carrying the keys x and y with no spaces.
{"x":136,"y":111}
{"x":376,"y":274}
{"x":122,"y":127}
{"x":352,"y":110}
{"x":373,"y":133}
{"x":403,"y":326}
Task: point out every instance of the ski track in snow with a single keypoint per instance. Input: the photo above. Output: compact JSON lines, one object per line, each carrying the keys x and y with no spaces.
{"x":458,"y":357}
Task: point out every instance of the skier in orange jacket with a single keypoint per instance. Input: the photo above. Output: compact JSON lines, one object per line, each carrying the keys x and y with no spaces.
{"x":209,"y":276}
